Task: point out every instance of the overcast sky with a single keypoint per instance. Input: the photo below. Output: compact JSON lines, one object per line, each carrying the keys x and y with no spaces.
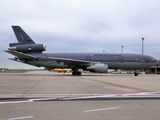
{"x":82,"y":26}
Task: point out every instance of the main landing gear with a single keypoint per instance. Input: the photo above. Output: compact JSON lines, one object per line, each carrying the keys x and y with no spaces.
{"x":76,"y":73}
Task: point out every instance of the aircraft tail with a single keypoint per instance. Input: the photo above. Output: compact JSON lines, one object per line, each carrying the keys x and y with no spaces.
{"x":25,"y":44}
{"x":21,"y":36}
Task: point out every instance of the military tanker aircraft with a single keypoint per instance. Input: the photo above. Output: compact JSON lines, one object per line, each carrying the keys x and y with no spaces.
{"x":28,"y":52}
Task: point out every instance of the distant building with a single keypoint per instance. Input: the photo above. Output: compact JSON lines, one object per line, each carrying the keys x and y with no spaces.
{"x":3,"y":69}
{"x":155,"y":69}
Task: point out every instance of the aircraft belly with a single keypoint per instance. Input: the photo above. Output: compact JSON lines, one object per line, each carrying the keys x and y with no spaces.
{"x":126,"y":65}
{"x":112,"y":65}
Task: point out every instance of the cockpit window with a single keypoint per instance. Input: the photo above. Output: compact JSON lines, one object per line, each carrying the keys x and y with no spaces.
{"x":153,"y":59}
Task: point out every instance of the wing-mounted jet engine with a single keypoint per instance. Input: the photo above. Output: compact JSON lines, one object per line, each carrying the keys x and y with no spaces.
{"x":101,"y":68}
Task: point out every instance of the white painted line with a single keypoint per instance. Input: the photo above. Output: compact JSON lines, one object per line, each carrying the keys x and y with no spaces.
{"x":113,"y":108}
{"x":74,"y":98}
{"x":11,"y":102}
{"x":38,"y":99}
{"x":20,"y":118}
{"x":95,"y":110}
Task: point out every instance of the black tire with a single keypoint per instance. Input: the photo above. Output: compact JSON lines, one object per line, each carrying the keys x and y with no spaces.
{"x":78,"y":73}
{"x":135,"y":74}
{"x":74,"y":73}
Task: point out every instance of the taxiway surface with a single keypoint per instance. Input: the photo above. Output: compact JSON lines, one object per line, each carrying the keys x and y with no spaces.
{"x":19,"y":93}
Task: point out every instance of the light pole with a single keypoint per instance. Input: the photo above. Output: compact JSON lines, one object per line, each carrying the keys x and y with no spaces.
{"x":122,"y":49}
{"x":142,"y":44}
{"x":142,"y":51}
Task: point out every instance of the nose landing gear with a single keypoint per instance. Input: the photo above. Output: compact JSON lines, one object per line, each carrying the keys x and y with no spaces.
{"x":136,"y":73}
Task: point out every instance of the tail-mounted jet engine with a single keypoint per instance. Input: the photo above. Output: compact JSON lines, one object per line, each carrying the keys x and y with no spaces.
{"x":101,"y":68}
{"x":29,"y":48}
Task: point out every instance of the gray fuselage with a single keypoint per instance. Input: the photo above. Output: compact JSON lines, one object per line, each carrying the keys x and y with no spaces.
{"x":113,"y":60}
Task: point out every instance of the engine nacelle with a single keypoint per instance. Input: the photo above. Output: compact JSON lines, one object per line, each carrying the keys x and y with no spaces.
{"x":29,"y":48}
{"x":101,"y":68}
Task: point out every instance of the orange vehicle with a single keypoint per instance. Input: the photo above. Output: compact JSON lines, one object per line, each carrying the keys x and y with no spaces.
{"x":62,"y":70}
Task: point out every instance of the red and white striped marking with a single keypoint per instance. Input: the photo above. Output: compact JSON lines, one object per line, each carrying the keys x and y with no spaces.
{"x":80,"y":97}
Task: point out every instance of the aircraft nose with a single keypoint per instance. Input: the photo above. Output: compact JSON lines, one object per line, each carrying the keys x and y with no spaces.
{"x":158,"y":63}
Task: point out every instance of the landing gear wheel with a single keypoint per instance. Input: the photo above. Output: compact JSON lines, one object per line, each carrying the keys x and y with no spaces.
{"x":135,"y":74}
{"x":74,"y":73}
{"x":78,"y":73}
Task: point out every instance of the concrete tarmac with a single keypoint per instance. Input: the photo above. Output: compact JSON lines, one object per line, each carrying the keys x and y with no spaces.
{"x":22,"y":86}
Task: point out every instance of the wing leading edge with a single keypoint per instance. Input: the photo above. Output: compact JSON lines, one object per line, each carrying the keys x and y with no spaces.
{"x":73,"y":61}
{"x":21,"y":55}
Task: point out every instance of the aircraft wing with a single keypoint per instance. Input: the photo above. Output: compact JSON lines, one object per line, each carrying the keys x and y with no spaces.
{"x":21,"y":55}
{"x":72,"y":61}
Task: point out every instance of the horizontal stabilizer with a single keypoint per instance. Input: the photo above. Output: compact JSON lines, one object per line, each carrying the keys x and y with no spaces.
{"x":21,"y":55}
{"x":15,"y":44}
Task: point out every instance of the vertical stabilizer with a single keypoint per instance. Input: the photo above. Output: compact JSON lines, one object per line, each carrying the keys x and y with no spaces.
{"x":21,"y":36}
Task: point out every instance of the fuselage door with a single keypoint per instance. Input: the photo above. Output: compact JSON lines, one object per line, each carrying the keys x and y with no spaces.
{"x":88,"y":58}
{"x":45,"y":58}
{"x":147,"y":59}
{"x":121,"y":59}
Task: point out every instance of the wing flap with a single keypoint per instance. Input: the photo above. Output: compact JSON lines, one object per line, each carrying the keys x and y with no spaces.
{"x":21,"y":55}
